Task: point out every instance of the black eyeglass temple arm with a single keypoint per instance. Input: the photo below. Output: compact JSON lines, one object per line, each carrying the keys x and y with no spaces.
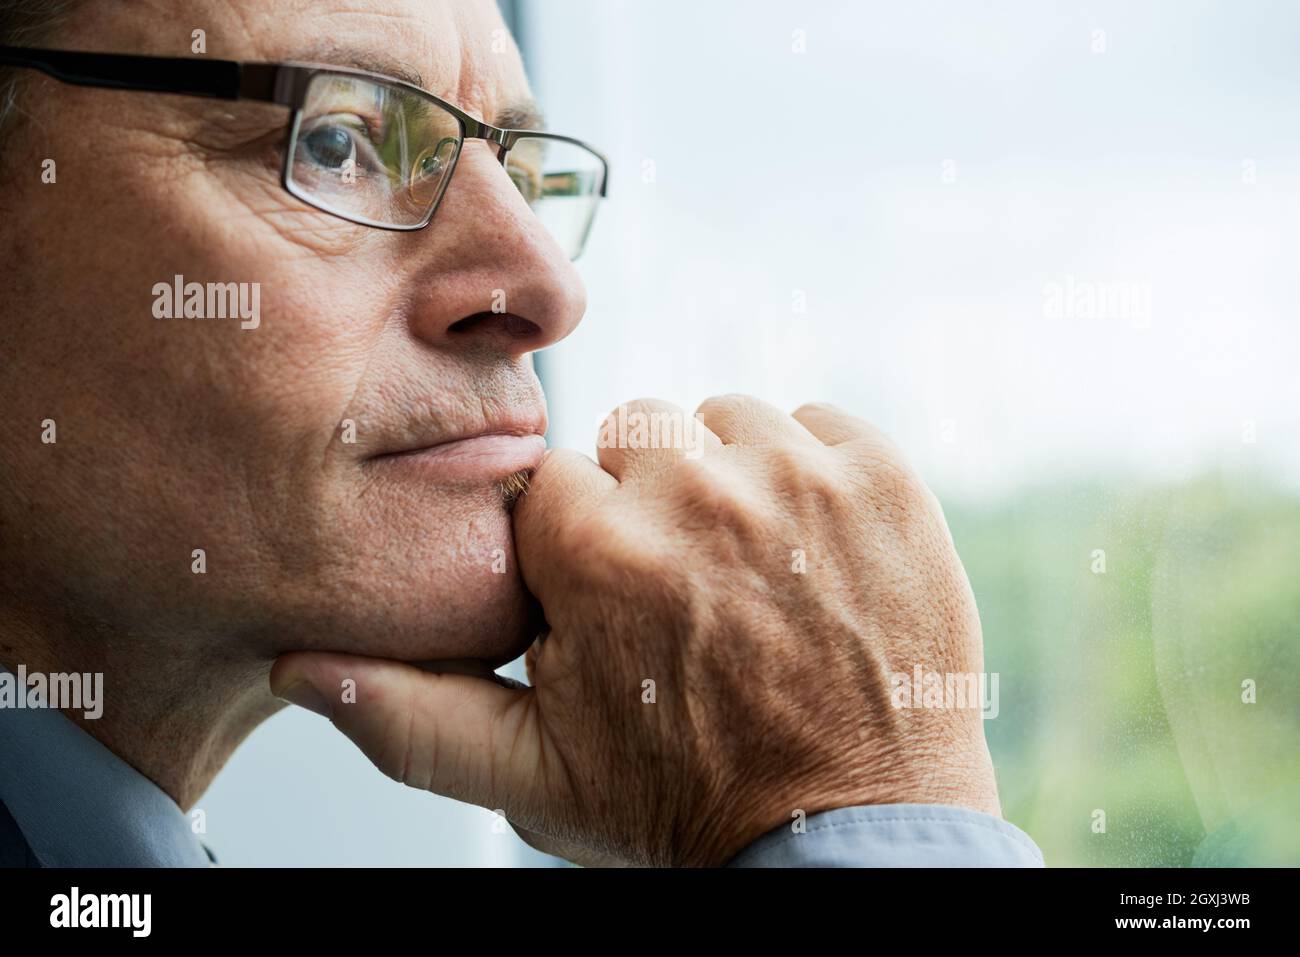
{"x":220,"y":79}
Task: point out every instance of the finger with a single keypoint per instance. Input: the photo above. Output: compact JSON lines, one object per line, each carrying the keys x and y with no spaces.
{"x":453,"y":734}
{"x":742,"y":420}
{"x":832,"y":425}
{"x":562,"y":487}
{"x":645,"y":437}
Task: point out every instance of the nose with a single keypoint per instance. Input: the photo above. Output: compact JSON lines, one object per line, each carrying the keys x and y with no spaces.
{"x":490,"y":272}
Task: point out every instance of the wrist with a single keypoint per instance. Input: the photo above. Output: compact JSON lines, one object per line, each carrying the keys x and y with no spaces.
{"x":962,"y":779}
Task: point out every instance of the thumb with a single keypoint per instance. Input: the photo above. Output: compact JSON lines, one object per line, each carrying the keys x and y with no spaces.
{"x":460,"y":736}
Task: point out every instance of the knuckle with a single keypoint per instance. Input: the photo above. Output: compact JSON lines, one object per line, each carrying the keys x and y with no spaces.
{"x":638,"y":424}
{"x":728,"y":406}
{"x":712,"y":495}
{"x":397,"y":759}
{"x":818,"y":407}
{"x":727,"y":400}
{"x":809,"y":473}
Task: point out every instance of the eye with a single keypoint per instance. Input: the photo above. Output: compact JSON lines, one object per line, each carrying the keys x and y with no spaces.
{"x":330,"y":145}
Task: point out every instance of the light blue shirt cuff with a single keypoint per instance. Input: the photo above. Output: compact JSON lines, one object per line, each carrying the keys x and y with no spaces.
{"x":894,"y":835}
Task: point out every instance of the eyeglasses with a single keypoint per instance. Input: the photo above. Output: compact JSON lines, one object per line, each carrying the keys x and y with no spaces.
{"x":368,"y":148}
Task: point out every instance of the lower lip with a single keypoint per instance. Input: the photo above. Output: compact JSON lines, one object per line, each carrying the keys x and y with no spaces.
{"x":478,"y":458}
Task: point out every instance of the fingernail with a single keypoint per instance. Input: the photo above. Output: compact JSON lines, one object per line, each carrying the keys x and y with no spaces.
{"x":305,"y":696}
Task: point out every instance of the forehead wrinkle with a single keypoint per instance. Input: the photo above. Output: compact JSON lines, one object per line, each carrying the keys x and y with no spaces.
{"x":411,"y":37}
{"x":408,"y":38}
{"x":488,"y":82}
{"x":241,"y":15}
{"x":133,"y":28}
{"x":445,"y":48}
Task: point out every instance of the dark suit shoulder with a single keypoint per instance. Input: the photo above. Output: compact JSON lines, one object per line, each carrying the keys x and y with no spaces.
{"x":14,"y":849}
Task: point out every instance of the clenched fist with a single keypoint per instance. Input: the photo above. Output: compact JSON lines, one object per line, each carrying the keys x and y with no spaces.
{"x":731,"y":599}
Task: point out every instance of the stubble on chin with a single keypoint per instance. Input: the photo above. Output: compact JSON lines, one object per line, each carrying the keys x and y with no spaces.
{"x":514,"y":486}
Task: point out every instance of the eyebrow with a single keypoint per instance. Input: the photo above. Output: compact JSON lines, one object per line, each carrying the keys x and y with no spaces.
{"x":332,"y":54}
{"x":522,"y":115}
{"x":518,"y":115}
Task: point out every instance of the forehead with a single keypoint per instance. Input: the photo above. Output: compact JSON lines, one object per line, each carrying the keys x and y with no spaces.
{"x":458,"y":49}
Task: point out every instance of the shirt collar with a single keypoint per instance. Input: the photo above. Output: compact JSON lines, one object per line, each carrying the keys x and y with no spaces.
{"x":80,"y":805}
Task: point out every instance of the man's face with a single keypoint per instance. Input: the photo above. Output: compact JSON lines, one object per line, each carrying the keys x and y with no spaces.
{"x":184,"y":434}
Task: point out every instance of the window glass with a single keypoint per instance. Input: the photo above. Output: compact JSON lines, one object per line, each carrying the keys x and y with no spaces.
{"x":1049,"y":250}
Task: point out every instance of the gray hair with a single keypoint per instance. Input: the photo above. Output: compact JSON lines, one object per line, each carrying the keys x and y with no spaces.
{"x":25,"y":23}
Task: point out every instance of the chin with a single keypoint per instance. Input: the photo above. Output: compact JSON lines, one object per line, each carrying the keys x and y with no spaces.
{"x":494,"y":628}
{"x":445,"y":586}
{"x":521,"y":622}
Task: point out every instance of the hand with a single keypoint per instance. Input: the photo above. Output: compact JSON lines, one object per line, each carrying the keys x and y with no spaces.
{"x":726,"y":620}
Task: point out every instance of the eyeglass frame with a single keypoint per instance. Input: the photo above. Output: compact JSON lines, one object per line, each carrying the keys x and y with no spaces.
{"x":284,"y":84}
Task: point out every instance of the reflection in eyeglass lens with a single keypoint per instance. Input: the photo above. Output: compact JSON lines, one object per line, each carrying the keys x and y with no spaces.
{"x":373,"y":150}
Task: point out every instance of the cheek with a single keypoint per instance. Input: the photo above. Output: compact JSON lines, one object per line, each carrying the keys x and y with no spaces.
{"x":182,"y":434}
{"x":174,"y":433}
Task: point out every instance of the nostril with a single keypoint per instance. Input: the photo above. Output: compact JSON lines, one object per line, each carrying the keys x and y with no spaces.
{"x":508,"y":322}
{"x":520,"y":327}
{"x":468,"y":323}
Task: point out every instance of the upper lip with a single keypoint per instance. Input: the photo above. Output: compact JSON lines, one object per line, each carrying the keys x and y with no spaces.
{"x":418,"y":435}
